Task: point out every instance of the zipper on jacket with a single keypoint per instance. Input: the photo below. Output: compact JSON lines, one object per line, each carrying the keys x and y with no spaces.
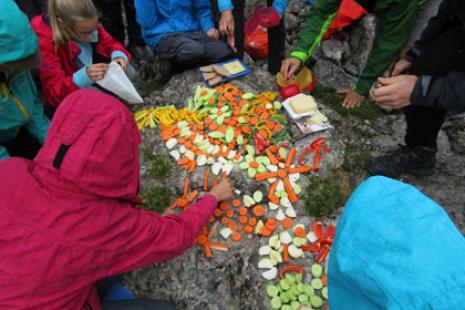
{"x":16,"y":100}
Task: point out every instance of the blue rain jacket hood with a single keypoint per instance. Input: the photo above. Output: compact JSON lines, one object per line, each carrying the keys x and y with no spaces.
{"x":395,"y":249}
{"x":17,"y":39}
{"x":19,"y":102}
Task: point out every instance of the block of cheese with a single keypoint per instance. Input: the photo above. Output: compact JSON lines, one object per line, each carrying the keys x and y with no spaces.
{"x":301,"y":104}
{"x":317,"y":118}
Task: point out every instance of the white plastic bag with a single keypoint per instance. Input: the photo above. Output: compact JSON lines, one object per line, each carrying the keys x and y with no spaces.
{"x":117,"y":82}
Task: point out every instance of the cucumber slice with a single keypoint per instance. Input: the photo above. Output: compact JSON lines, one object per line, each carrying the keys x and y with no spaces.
{"x":316,"y":301}
{"x":277,"y":105}
{"x":298,"y":278}
{"x":317,"y":284}
{"x":289,"y":278}
{"x":284,"y":285}
{"x":248,"y":201}
{"x":244,"y":166}
{"x":272,"y":290}
{"x":240,"y":139}
{"x":308,"y":290}
{"x":241,"y":120}
{"x":286,"y":307}
{"x":248,"y":96}
{"x":295,"y":305}
{"x":250,"y":150}
{"x":220,"y":120}
{"x":324,"y":292}
{"x":317,"y":270}
{"x":229,"y":136}
{"x":251,"y":173}
{"x":284,"y":296}
{"x":258,"y":196}
{"x":303,"y":299}
{"x":282,"y":152}
{"x":216,"y":134}
{"x":276,"y":303}
{"x":294,"y":292}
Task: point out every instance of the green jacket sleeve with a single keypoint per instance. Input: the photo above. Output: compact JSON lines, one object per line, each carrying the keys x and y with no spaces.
{"x":318,"y":22}
{"x":395,"y":25}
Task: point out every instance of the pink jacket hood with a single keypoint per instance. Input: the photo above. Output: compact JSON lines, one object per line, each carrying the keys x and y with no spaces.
{"x":94,"y":146}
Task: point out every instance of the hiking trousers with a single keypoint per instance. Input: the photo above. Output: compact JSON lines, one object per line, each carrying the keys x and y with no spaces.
{"x":192,"y":48}
{"x":444,"y":54}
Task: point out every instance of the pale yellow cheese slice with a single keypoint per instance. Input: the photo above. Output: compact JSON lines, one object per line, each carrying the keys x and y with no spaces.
{"x":317,"y":118}
{"x":302,"y":104}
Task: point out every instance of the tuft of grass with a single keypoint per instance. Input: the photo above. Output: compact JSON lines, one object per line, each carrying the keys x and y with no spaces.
{"x":325,"y":195}
{"x":355,"y":159}
{"x":156,"y":198}
{"x":160,"y":167}
{"x":329,"y":97}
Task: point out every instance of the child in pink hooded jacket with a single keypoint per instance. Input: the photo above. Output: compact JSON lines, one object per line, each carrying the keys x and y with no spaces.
{"x":68,"y":217}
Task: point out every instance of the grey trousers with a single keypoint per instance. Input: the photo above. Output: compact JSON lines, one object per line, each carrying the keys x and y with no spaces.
{"x":189,"y":48}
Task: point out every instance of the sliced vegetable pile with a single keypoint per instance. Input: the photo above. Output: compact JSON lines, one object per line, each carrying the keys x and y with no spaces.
{"x":223,"y":129}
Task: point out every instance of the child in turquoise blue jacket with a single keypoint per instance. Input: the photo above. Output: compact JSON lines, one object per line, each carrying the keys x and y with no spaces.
{"x":19,"y":102}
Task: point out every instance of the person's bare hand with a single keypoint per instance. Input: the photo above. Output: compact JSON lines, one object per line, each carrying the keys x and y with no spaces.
{"x":122,"y":62}
{"x":352,"y":98}
{"x":223,"y":191}
{"x":395,"y":92}
{"x":226,"y":23}
{"x":289,"y":67}
{"x":400,"y":67}
{"x":96,"y":72}
{"x":213,"y":34}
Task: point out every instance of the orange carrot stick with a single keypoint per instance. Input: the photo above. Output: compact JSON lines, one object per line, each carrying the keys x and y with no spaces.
{"x":186,"y":187}
{"x":220,"y":246}
{"x":265,"y":176}
{"x":205,"y":180}
{"x":271,"y":193}
{"x":290,"y":157}
{"x":300,"y":169}
{"x":193,"y":195}
{"x":207,"y":251}
{"x":271,"y":156}
{"x":285,"y":253}
{"x":290,"y":191}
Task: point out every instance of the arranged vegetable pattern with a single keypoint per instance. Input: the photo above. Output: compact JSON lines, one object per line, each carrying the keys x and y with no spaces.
{"x":221,"y":129}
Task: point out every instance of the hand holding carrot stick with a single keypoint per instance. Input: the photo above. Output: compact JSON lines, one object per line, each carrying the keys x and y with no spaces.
{"x":224,"y":190}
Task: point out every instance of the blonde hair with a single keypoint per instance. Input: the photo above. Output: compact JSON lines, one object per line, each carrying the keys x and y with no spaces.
{"x":69,"y":11}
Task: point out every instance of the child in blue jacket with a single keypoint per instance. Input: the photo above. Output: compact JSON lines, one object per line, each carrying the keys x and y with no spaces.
{"x":19,"y":102}
{"x":181,"y":31}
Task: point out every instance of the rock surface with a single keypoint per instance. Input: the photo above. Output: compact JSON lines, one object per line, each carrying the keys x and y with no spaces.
{"x":232,"y":280}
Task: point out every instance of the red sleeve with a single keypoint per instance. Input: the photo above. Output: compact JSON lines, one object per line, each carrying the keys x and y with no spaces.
{"x":55,"y":84}
{"x":107,"y":44}
{"x":154,"y":238}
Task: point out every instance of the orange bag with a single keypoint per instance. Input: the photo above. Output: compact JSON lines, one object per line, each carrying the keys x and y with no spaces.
{"x":256,"y":44}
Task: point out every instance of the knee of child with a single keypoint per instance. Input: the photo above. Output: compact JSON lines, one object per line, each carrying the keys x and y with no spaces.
{"x":190,"y":51}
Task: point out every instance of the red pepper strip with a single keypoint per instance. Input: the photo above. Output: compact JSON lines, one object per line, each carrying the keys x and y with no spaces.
{"x":304,"y":153}
{"x":291,"y":268}
{"x":315,"y":248}
{"x":323,"y":254}
{"x":260,"y":144}
{"x":316,"y":161}
{"x":317,"y":228}
{"x":330,"y":231}
{"x":317,"y":142}
{"x":326,"y":241}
